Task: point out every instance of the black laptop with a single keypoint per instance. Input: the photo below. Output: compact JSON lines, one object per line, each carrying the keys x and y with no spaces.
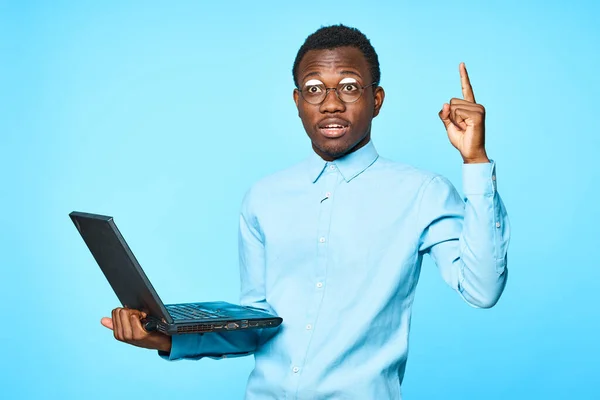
{"x":135,"y":291}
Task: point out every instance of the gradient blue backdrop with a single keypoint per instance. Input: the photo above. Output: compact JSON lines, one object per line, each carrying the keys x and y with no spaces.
{"x":162,"y":115}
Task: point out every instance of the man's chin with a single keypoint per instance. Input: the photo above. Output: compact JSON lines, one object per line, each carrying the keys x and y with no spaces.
{"x":333,"y":150}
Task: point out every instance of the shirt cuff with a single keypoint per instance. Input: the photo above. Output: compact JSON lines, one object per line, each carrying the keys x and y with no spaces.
{"x":181,"y":345}
{"x":479,"y":179}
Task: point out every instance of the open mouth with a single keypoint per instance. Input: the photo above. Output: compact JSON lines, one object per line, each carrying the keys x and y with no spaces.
{"x":333,"y":129}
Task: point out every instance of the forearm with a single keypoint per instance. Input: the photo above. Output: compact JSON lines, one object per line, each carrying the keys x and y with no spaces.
{"x":484,"y":239}
{"x":212,"y":344}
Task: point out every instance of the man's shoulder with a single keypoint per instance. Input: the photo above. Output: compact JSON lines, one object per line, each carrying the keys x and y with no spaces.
{"x":406,"y":172}
{"x":278,"y":182}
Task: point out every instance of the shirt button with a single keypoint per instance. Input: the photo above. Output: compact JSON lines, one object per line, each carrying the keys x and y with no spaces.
{"x":319,"y":285}
{"x":308,"y":327}
{"x":295,"y":369}
{"x":328,"y":194}
{"x":497,"y":224}
{"x":322,"y":240}
{"x":493,"y":177}
{"x":332,"y":167}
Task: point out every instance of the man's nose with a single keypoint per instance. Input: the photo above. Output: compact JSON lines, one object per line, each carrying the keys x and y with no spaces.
{"x":332,"y":103}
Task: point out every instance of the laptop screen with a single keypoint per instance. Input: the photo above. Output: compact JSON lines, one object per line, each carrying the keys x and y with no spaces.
{"x":117,"y":262}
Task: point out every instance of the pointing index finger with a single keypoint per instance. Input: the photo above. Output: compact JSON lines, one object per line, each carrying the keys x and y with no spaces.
{"x":465,"y":83}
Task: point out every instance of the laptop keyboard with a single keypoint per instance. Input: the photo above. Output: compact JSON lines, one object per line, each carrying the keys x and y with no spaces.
{"x":189,"y":311}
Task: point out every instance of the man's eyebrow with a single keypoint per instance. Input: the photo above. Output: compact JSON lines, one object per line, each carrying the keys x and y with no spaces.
{"x":343,"y":72}
{"x":346,"y":72}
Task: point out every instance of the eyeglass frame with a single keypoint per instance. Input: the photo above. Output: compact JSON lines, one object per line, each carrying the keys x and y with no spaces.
{"x":335,"y":90}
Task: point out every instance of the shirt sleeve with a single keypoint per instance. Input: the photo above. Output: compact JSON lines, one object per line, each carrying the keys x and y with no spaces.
{"x":219,"y":345}
{"x":467,"y":238}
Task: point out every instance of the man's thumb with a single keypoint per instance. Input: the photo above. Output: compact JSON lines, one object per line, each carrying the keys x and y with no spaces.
{"x":107,"y":322}
{"x":445,"y":115}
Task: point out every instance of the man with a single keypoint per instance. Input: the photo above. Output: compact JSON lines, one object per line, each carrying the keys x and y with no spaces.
{"x":334,"y":245}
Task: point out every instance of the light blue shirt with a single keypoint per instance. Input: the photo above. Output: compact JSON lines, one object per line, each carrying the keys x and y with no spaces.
{"x":335,"y":249}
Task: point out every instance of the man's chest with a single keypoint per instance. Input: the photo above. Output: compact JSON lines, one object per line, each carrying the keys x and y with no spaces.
{"x":341,"y":222}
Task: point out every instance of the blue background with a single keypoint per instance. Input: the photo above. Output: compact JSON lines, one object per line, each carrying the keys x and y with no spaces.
{"x":164,"y":115}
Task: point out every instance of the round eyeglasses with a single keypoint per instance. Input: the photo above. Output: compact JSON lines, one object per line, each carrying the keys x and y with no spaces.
{"x":348,"y":92}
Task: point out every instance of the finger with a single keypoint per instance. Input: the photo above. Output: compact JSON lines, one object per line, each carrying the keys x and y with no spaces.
{"x":453,"y":130}
{"x":138,"y":330}
{"x":124,"y":314}
{"x":118,"y":331}
{"x":467,"y":89}
{"x":444,"y":115}
{"x":115,"y":323}
{"x":138,"y":313}
{"x":457,"y":119}
{"x":465,"y":117}
{"x":460,"y":102}
{"x":458,"y":122}
{"x":107,"y":322}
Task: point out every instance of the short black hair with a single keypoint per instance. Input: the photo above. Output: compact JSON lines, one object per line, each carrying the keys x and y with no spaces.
{"x":334,"y":36}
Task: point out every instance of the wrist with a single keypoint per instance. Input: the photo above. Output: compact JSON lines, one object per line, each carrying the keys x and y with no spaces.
{"x":165,"y":345}
{"x":479,"y":159}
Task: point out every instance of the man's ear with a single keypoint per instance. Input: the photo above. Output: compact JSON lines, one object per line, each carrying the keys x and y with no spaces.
{"x":297,"y":100}
{"x":379,"y":97}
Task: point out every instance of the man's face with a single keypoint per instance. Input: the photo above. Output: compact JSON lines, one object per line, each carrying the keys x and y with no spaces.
{"x":334,"y":127}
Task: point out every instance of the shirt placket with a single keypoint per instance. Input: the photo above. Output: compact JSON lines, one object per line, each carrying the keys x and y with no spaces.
{"x":327,"y":185}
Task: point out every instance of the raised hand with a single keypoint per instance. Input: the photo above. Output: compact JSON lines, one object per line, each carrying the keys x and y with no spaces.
{"x":127,"y":327}
{"x":464,"y":120}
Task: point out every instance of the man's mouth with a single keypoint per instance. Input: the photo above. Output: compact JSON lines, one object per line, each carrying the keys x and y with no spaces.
{"x":333,"y":129}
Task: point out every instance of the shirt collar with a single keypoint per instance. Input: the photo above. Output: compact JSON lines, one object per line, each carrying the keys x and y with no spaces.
{"x":350,"y":166}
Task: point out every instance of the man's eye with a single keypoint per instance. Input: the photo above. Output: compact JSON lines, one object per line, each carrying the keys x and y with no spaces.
{"x":349,"y":87}
{"x":313,"y":89}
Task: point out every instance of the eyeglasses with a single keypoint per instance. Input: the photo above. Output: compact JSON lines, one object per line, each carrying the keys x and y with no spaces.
{"x":348,"y":92}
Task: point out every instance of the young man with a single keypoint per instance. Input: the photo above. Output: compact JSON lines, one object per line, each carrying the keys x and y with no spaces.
{"x":334,"y":245}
